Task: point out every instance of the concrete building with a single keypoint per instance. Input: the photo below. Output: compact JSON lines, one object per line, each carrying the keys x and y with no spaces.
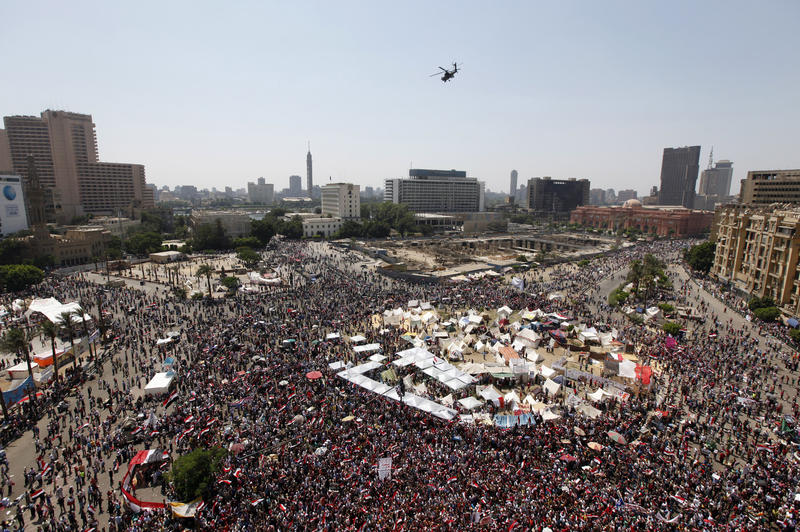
{"x":342,"y":200}
{"x":512,"y":189}
{"x":675,"y":222}
{"x":75,"y":246}
{"x":716,"y":181}
{"x":13,"y":214}
{"x":757,"y":252}
{"x":597,"y":196}
{"x":679,"y":168}
{"x":321,"y":226}
{"x":295,"y":186}
{"x":764,"y":187}
{"x":625,"y":195}
{"x":443,"y":191}
{"x":556,"y":196}
{"x":64,"y":148}
{"x":236,"y":224}
{"x":262,"y":193}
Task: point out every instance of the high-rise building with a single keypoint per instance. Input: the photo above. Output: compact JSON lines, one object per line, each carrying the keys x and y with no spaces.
{"x":771,"y":186}
{"x":64,"y":148}
{"x":341,"y":200}
{"x":757,"y":251}
{"x":295,"y":186}
{"x":625,"y":195}
{"x":597,"y":196}
{"x":309,"y":174}
{"x":679,"y":168}
{"x":717,"y":181}
{"x":436,"y":191}
{"x":261,"y":192}
{"x":556,"y":196}
{"x":512,"y":189}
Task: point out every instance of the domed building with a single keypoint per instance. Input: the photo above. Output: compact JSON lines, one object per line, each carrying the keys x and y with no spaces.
{"x":669,"y":221}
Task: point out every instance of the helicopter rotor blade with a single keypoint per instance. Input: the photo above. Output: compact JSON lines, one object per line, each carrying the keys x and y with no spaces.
{"x":435,"y":74}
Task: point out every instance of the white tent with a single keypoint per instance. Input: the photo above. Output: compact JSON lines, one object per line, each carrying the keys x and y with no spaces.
{"x":627,"y":369}
{"x":504,"y":311}
{"x":551,"y":386}
{"x":357,"y":339}
{"x":470,"y":403}
{"x":547,"y":372}
{"x":489,"y":393}
{"x":53,"y":308}
{"x":547,"y":415}
{"x":588,"y":410}
{"x":367,"y":348}
{"x":162,"y":341}
{"x":160,"y":383}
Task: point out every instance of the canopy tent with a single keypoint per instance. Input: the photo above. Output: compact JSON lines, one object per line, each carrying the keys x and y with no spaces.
{"x":163,"y":341}
{"x":52,"y":309}
{"x":489,"y":393}
{"x":333,"y":336}
{"x":470,"y":403}
{"x":357,"y":339}
{"x":547,"y":372}
{"x":45,"y":358}
{"x":160,"y":383}
{"x":551,"y":386}
{"x":367,"y":348}
{"x":20,"y":371}
{"x":504,"y":311}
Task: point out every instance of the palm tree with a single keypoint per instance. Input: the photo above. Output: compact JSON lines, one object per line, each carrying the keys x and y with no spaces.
{"x":50,"y":330}
{"x":208,"y":271}
{"x":68,"y":326}
{"x":81,"y":313}
{"x":635,"y":274}
{"x":16,"y":340}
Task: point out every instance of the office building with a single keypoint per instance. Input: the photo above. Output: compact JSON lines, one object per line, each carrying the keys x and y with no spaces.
{"x":13,"y":214}
{"x":64,"y":148}
{"x":597,"y":196}
{"x":309,"y":173}
{"x":321,"y":226}
{"x":262,"y":193}
{"x":235,"y":224}
{"x":757,"y":248}
{"x":677,"y":222}
{"x":625,"y":195}
{"x":342,"y":200}
{"x":295,"y":186}
{"x":716,"y":181}
{"x":679,"y":168}
{"x":436,"y":191}
{"x":556,"y":196}
{"x":512,"y":189}
{"x":763,"y":187}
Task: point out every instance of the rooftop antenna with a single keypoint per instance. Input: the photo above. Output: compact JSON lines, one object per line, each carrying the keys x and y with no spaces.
{"x":711,"y":157}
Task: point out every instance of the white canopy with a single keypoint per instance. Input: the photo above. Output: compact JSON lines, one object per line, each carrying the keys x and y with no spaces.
{"x":470,"y":403}
{"x":547,"y":372}
{"x":504,"y":311}
{"x":333,"y":336}
{"x":162,"y":341}
{"x":53,"y":308}
{"x":489,"y":393}
{"x":160,"y":383}
{"x":551,"y":386}
{"x":366,"y":348}
{"x":357,"y":339}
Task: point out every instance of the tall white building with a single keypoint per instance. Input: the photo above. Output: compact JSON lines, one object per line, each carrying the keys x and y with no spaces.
{"x":442,"y":191}
{"x":13,"y":217}
{"x":341,"y":200}
{"x":261,"y":192}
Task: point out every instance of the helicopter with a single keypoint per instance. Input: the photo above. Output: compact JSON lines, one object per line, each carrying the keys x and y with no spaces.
{"x":448,"y":74}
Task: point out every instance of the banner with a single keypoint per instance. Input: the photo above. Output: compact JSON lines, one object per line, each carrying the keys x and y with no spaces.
{"x":384,"y":468}
{"x":518,"y":283}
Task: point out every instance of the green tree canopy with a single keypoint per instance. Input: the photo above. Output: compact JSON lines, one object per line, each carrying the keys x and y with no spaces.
{"x":701,"y":257}
{"x":143,"y":243}
{"x":672,"y":328}
{"x":211,"y":236}
{"x":247,"y":241}
{"x":767,"y":313}
{"x":231,"y":283}
{"x":16,"y":277}
{"x":249,"y":257}
{"x":192,"y":473}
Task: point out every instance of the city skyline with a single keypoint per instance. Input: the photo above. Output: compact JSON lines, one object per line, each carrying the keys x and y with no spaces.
{"x":583,"y":90}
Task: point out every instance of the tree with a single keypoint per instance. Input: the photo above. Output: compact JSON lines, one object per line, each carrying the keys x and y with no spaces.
{"x":143,"y":243}
{"x":263,"y":229}
{"x":249,"y":257}
{"x":247,"y":241}
{"x":672,"y":328}
{"x":767,"y":313}
{"x":231,"y":283}
{"x":81,"y":314}
{"x":50,"y":330}
{"x":635,"y":274}
{"x":192,"y":473}
{"x":207,"y":271}
{"x":211,"y":236}
{"x":68,"y":326}
{"x":701,"y":257}
{"x":760,"y":302}
{"x":16,"y":340}
{"x":349,"y":229}
{"x":16,"y":277}
{"x":11,"y":249}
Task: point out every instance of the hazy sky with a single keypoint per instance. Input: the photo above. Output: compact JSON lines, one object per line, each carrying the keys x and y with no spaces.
{"x":219,"y":93}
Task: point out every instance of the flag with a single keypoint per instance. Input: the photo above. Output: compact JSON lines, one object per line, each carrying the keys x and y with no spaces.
{"x":282,"y":507}
{"x":170,"y":399}
{"x":188,"y":419}
{"x":37,"y":493}
{"x":85,"y":425}
{"x":46,"y":469}
{"x":137,"y":430}
{"x":165,"y":455}
{"x":91,"y":509}
{"x":224,"y":481}
{"x":256,"y":502}
{"x":238,"y":472}
{"x":681,"y":500}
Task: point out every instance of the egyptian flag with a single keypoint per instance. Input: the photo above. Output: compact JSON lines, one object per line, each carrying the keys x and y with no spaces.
{"x":170,"y":399}
{"x":37,"y":493}
{"x":237,"y":473}
{"x":91,"y":509}
{"x":681,"y":500}
{"x":282,"y":507}
{"x":188,"y":419}
{"x":256,"y":502}
{"x":224,"y":481}
{"x":137,"y":430}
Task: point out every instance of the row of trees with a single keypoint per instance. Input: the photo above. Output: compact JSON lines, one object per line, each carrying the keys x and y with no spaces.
{"x":647,"y":273}
{"x":16,"y":277}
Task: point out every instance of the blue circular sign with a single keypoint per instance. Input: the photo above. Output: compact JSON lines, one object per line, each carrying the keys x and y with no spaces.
{"x":9,"y":192}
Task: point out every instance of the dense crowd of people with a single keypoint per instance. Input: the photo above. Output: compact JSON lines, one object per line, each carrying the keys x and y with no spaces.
{"x":700,"y":450}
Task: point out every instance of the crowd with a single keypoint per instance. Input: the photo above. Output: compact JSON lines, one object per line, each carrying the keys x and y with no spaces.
{"x":700,"y":451}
